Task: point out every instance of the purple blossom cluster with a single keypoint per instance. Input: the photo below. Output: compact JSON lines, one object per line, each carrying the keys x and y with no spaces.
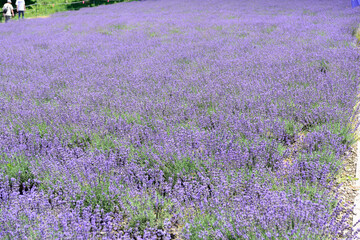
{"x":178,"y":119}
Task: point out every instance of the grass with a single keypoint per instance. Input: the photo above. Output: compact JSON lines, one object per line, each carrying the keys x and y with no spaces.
{"x":171,"y":166}
{"x":99,"y":195}
{"x":140,"y":211}
{"x":17,"y":168}
{"x":44,"y":8}
{"x":271,"y":29}
{"x":150,"y":210}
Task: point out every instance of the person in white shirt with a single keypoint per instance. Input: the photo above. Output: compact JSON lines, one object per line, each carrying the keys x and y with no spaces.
{"x":20,"y":7}
{"x":8,"y":10}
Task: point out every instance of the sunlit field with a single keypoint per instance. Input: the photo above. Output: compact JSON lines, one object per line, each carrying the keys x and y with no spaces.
{"x":178,"y":119}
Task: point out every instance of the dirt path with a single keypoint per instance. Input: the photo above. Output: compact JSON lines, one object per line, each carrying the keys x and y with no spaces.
{"x":38,"y":17}
{"x":356,"y":188}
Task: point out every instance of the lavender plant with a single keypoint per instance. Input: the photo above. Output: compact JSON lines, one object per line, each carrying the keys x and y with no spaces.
{"x":178,"y":119}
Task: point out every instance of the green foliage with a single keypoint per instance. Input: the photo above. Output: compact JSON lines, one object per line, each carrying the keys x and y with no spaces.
{"x":171,"y":166}
{"x":42,"y":129}
{"x":291,"y":127}
{"x":149,"y":211}
{"x":324,"y":65}
{"x":17,"y":128}
{"x":140,"y":211}
{"x":344,"y":131}
{"x":30,"y":223}
{"x":281,"y":148}
{"x":271,"y":29}
{"x":17,"y":167}
{"x":311,"y":191}
{"x":132,"y":118}
{"x":79,"y":139}
{"x":153,"y":34}
{"x":205,"y":222}
{"x":202,"y":222}
{"x":100,"y":194}
{"x":183,"y":166}
{"x":211,"y":109}
{"x":219,"y":27}
{"x":307,"y":12}
{"x":296,"y":84}
{"x":92,"y":141}
{"x":120,"y":26}
{"x":33,"y":126}
{"x":105,"y":143}
{"x":184,"y":61}
{"x":175,"y":31}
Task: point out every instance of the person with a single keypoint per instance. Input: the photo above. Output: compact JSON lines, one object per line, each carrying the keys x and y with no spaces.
{"x":9,"y":10}
{"x":20,"y":7}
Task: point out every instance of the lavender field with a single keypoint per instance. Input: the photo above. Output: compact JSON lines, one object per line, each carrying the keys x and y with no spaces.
{"x":178,"y":119}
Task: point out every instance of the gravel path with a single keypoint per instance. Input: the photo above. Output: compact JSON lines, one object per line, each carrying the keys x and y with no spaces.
{"x":355,"y":188}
